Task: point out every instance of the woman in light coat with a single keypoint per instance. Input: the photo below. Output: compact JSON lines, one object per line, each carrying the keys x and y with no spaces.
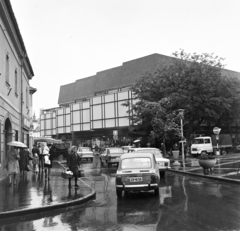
{"x":12,"y":164}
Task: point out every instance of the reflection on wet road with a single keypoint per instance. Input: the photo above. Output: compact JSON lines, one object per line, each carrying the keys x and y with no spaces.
{"x":184,"y":203}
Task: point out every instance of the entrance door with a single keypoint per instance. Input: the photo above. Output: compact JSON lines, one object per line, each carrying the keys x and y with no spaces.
{"x":8,"y":135}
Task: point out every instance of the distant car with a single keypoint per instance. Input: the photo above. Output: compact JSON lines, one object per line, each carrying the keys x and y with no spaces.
{"x":126,"y":148}
{"x":163,"y":163}
{"x":111,"y":155}
{"x":85,"y":153}
{"x":137,"y":172}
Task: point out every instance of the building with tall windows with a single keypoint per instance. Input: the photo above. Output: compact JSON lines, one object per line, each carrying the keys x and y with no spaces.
{"x":15,"y":90}
{"x":91,"y":110}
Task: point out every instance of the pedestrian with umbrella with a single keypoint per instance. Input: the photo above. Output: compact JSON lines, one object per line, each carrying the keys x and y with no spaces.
{"x":12,"y":159}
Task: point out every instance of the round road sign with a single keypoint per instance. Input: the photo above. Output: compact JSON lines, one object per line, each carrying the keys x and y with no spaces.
{"x":216,"y":130}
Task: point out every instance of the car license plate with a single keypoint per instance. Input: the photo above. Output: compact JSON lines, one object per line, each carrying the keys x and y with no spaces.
{"x":160,"y":164}
{"x":135,"y":179}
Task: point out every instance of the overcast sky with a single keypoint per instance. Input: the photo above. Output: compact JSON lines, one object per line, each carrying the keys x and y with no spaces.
{"x":69,"y":40}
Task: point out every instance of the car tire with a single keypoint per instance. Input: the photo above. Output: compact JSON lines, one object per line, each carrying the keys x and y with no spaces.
{"x":162,"y":173}
{"x":119,"y":193}
{"x":156,"y":191}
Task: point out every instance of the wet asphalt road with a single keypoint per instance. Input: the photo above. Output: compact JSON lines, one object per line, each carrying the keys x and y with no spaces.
{"x":184,"y":203}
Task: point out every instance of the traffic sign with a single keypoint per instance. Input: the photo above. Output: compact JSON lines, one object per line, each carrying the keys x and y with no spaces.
{"x":216,"y":130}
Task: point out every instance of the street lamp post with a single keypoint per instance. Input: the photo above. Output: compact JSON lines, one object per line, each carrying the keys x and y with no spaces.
{"x":181,"y":111}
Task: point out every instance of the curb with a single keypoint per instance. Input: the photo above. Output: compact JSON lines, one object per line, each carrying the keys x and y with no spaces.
{"x":20,"y":212}
{"x":206,"y":177}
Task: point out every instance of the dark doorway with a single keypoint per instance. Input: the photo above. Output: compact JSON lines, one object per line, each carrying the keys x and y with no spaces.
{"x":8,"y":134}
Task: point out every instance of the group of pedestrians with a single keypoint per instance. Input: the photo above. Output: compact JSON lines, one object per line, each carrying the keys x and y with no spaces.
{"x":42,"y":158}
{"x":21,"y":160}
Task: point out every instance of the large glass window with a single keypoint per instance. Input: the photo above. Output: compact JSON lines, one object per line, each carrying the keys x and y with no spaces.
{"x":76,"y":117}
{"x":97,"y":124}
{"x":109,"y":98}
{"x":76,"y":127}
{"x":110,"y":123}
{"x":109,"y":110}
{"x":68,"y":122}
{"x":123,"y":121}
{"x":86,"y":127}
{"x":97,"y":100}
{"x":76,"y":106}
{"x":86,"y":116}
{"x":60,"y":121}
{"x":123,"y":95}
{"x":122,"y":110}
{"x":97,"y":112}
{"x":86,"y":105}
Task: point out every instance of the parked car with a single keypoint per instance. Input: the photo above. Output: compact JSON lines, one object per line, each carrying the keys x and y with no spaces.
{"x":163,"y":163}
{"x":85,"y":153}
{"x":111,"y":155}
{"x":126,"y":148}
{"x":137,"y":172}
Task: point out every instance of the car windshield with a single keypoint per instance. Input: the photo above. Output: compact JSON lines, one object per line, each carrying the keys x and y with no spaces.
{"x":115,"y":150}
{"x":85,"y":149}
{"x":198,"y":141}
{"x":156,"y":152}
{"x":136,"y":163}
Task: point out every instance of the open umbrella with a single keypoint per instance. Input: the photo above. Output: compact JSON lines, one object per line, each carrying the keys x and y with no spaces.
{"x":17,"y":144}
{"x":136,"y":141}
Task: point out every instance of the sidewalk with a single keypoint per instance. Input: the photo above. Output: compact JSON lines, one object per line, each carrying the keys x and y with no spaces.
{"x":227,"y":168}
{"x":34,"y":194}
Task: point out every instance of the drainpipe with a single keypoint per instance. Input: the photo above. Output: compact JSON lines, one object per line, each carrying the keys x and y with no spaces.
{"x":21,"y":103}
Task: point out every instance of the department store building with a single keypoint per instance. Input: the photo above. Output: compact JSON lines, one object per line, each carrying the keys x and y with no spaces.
{"x":91,"y":110}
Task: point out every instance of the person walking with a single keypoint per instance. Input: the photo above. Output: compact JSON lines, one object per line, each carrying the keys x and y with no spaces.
{"x":12,"y":164}
{"x":73,"y":164}
{"x":40,"y":156}
{"x":23,"y":161}
{"x":47,"y":161}
{"x":35,"y":162}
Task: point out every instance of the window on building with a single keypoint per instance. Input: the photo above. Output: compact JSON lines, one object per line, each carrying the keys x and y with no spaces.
{"x":16,"y":82}
{"x":27,"y":98}
{"x":7,"y":69}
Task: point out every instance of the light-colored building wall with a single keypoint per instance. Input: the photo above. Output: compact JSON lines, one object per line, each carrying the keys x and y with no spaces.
{"x":15,"y":73}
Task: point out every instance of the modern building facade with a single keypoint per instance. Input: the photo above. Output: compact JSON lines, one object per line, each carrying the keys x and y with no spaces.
{"x":15,"y":91}
{"x":91,"y":109}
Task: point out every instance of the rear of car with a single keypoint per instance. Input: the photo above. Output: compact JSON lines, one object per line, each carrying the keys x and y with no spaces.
{"x":137,"y":172}
{"x":163,"y":163}
{"x":85,"y":153}
{"x":113,"y":155}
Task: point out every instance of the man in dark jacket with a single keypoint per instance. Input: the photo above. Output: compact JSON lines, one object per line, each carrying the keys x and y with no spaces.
{"x":73,"y":164}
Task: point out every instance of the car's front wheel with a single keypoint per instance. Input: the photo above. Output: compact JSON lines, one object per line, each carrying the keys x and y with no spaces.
{"x":119,"y":193}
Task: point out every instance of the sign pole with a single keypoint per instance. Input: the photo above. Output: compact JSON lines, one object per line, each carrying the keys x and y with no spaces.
{"x":216,"y":131}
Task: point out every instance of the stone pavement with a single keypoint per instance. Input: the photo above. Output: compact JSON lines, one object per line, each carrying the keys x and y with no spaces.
{"x":227,"y":168}
{"x":34,"y":194}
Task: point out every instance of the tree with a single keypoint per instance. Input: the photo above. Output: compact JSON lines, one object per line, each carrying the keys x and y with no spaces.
{"x":192,"y":82}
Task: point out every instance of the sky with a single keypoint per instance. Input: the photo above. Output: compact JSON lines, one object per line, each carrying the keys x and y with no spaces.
{"x":74,"y":39}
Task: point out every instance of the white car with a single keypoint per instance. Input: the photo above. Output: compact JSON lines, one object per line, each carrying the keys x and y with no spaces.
{"x":163,"y":163}
{"x":85,"y":153}
{"x":111,"y":156}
